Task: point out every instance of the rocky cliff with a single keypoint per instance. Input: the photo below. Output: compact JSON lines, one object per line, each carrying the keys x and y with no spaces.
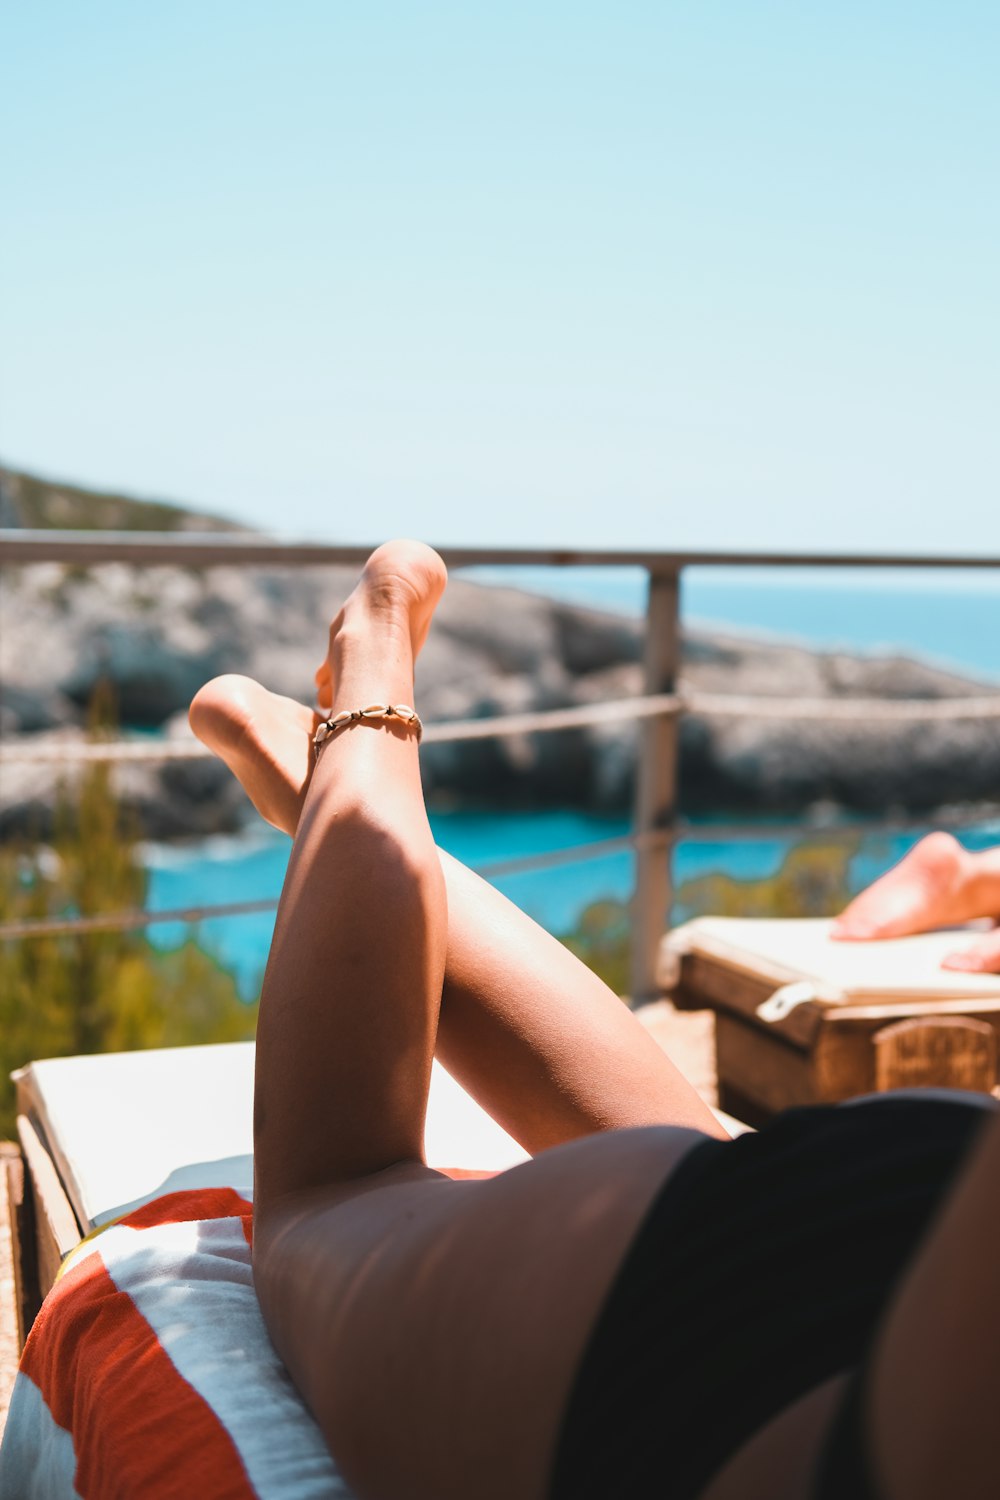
{"x":158,"y":633}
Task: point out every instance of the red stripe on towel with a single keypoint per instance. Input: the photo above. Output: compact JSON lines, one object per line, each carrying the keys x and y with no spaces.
{"x":138,"y":1427}
{"x":196,"y":1203}
{"x":183,"y":1208}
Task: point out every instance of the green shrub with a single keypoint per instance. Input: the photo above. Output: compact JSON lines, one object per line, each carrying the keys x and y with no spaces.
{"x":601,"y":940}
{"x":813,"y":881}
{"x":99,"y":991}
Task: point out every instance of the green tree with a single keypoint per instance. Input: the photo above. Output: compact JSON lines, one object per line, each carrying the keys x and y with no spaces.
{"x":813,"y":881}
{"x":97,"y":991}
{"x":601,"y":940}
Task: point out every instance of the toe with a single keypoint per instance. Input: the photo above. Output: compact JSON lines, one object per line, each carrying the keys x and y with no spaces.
{"x":848,"y":929}
{"x":982,"y":957}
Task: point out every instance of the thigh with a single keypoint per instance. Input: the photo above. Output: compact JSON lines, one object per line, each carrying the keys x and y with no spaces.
{"x":542,"y":1043}
{"x":435,"y":1327}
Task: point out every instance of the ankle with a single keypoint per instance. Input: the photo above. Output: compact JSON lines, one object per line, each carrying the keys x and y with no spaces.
{"x":371,"y":660}
{"x":374,"y":612}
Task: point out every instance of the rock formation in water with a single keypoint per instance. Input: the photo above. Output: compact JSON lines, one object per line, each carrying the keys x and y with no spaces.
{"x":158,"y":633}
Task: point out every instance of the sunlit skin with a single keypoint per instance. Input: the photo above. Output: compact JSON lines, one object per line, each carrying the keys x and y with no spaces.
{"x":384,"y":951}
{"x":937,"y":884}
{"x":511,"y":992}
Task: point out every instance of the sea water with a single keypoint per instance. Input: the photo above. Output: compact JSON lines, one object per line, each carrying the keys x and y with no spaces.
{"x":252,"y":868}
{"x":949,"y":617}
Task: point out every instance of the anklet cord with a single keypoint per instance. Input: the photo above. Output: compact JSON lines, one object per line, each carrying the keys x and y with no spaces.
{"x":402,"y":713}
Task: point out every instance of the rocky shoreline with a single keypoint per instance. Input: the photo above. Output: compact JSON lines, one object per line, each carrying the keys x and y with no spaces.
{"x":158,"y":633}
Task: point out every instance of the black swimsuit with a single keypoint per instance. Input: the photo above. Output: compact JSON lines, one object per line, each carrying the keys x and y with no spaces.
{"x":761,"y":1270}
{"x":845,"y":1467}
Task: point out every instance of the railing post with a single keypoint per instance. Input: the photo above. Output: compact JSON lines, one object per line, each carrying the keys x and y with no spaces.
{"x":656,"y":786}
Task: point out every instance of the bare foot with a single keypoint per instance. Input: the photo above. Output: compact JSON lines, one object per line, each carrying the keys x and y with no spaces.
{"x":401,"y":578}
{"x":265,"y":740}
{"x":931,"y":887}
{"x":979,"y":958}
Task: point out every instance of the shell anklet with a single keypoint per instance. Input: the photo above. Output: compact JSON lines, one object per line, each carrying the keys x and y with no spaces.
{"x":389,"y":713}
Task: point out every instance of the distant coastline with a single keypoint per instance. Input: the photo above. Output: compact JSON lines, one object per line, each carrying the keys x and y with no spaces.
{"x":156,"y":634}
{"x":947,"y":618}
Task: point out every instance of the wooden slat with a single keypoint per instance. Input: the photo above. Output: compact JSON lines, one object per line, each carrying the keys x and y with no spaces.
{"x":841,"y":1051}
{"x":56,"y":1228}
{"x":24,"y":1250}
{"x":759,"y":1074}
{"x":656,"y":787}
{"x":948,"y":1051}
{"x":194,"y":548}
{"x":843,"y":1062}
{"x":11,"y":1336}
{"x":705,"y":981}
{"x":903,"y":1007}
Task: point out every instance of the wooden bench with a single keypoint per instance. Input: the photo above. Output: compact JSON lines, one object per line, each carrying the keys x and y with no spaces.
{"x":48,"y":1203}
{"x":38,"y":1226}
{"x":800,"y":1019}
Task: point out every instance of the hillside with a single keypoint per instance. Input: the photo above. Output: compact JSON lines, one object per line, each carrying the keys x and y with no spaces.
{"x":27,"y":500}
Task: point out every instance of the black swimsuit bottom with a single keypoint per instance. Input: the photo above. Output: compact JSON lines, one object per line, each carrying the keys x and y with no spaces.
{"x":761,"y":1269}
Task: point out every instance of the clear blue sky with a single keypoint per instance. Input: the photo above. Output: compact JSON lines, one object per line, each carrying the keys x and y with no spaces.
{"x":659,"y":274}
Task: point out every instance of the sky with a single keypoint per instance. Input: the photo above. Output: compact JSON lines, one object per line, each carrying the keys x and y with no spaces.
{"x":703,"y":275}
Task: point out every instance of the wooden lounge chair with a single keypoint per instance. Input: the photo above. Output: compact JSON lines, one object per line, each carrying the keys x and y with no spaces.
{"x":130,"y":1204}
{"x":801,"y":1019}
{"x":130,"y":1201}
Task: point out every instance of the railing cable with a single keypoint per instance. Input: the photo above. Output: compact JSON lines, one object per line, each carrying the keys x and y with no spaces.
{"x":542,"y":721}
{"x":665,"y":839}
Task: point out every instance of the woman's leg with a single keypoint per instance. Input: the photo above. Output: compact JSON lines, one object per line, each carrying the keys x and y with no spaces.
{"x":934,"y":1379}
{"x":433,"y":1327}
{"x":538,"y":1039}
{"x":526,"y":1028}
{"x":362,"y":917}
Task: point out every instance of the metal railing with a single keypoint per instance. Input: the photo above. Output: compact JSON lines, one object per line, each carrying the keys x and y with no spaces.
{"x":657,"y":709}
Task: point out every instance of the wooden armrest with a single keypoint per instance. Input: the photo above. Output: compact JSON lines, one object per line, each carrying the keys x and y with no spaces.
{"x":12,"y":1236}
{"x":56,"y":1228}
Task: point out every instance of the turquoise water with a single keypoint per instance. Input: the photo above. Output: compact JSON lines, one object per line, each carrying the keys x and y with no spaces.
{"x":253,"y":867}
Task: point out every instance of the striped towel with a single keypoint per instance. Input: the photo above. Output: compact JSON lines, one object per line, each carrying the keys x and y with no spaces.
{"x":149,"y":1372}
